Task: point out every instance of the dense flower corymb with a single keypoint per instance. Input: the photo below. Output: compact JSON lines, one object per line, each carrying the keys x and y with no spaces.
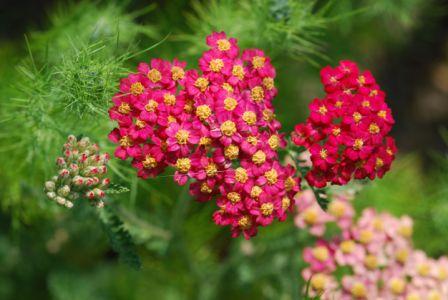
{"x":81,"y":174}
{"x":347,"y":131}
{"x":215,"y":126}
{"x":371,"y":258}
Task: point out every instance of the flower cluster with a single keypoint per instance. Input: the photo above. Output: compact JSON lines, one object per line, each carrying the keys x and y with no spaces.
{"x":215,"y":126}
{"x":371,"y":258}
{"x":347,"y":131}
{"x":81,"y":174}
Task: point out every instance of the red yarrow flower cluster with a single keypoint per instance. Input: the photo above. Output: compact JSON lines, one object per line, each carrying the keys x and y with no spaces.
{"x":347,"y":131}
{"x":215,"y":126}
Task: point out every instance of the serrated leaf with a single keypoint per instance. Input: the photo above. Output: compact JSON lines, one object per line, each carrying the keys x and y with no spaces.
{"x":115,"y":188}
{"x":120,"y":239}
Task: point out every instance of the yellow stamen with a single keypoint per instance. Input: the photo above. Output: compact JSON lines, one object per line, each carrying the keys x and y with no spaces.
{"x":258,"y":62}
{"x":267,"y":209}
{"x":183,"y":165}
{"x":259,"y":157}
{"x":151,"y":106}
{"x":203,"y":112}
{"x":257,"y":94}
{"x":154,"y":75}
{"x":230,"y":103}
{"x":271,"y":176}
{"x":124,"y":108}
{"x":182,"y":136}
{"x":238,"y":71}
{"x":137,"y":88}
{"x":250,"y":118}
{"x":169,"y":99}
{"x":241,"y":175}
{"x":216,"y":65}
{"x":201,"y":83}
{"x":223,"y":44}
{"x":228,"y":128}
{"x":149,"y":162}
{"x":231,"y":152}
{"x":177,"y":73}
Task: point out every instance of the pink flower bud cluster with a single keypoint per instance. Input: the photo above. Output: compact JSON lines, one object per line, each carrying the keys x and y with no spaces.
{"x":215,"y":126}
{"x":81,"y":174}
{"x":369,"y":258}
{"x":347,"y":131}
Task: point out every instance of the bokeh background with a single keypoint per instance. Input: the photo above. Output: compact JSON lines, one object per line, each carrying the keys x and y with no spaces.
{"x":60,"y":63}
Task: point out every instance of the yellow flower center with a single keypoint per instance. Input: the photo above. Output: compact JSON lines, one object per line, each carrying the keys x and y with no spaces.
{"x":253,"y":140}
{"x":211,"y":170}
{"x":255,"y":191}
{"x":290,"y":183}
{"x":216,"y":65}
{"x":357,"y":145}
{"x":358,"y":290}
{"x":382,"y":114}
{"x":140,"y":124}
{"x":227,"y":87}
{"x":397,"y":285}
{"x":154,"y":75}
{"x":389,"y":151}
{"x":374,"y":128}
{"x":423,"y":269}
{"x":413,"y":296}
{"x":201,"y":83}
{"x":338,"y":104}
{"x":182,"y":136}
{"x":231,"y":152}
{"x":124,"y":108}
{"x":169,"y":99}
{"x":321,"y":253}
{"x":310,"y":216}
{"x":228,"y":128}
{"x":267,"y":209}
{"x":336,"y":208}
{"x":366,"y":236}
{"x":223,"y":44}
{"x":203,"y":112}
{"x":238,"y":71}
{"x":434,"y":295}
{"x":336,"y":131}
{"x":323,"y":110}
{"x":274,"y":142}
{"x":250,"y":117}
{"x":241,"y":175}
{"x":371,"y":262}
{"x":405,"y":231}
{"x":258,"y":62}
{"x":323,"y":153}
{"x":268,"y":83}
{"x":373,"y":93}
{"x":361,"y":80}
{"x":230,"y":103}
{"x":234,"y":197}
{"x":205,"y":188}
{"x":271,"y":176}
{"x":402,"y":255}
{"x":347,"y":246}
{"x":378,"y":224}
{"x":183,"y":165}
{"x":318,"y":282}
{"x":357,"y":117}
{"x":365,"y":103}
{"x":259,"y":157}
{"x":149,"y":162}
{"x":151,"y":106}
{"x":379,"y":163}
{"x":177,"y":73}
{"x":126,"y":141}
{"x":442,"y":274}
{"x":268,"y":115}
{"x":205,"y":141}
{"x":257,"y":94}
{"x":286,"y":202}
{"x":137,"y":88}
{"x":171,"y":119}
{"x":245,"y":222}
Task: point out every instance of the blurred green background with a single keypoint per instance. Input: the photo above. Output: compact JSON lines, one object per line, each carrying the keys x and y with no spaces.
{"x":60,"y":63}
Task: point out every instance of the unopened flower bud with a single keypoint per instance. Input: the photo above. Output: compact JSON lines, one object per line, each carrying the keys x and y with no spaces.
{"x":64,"y":173}
{"x":64,"y":191}
{"x":60,"y":161}
{"x":100,"y":204}
{"x":51,"y":195}
{"x":50,"y":186}
{"x":68,"y":204}
{"x":60,"y":200}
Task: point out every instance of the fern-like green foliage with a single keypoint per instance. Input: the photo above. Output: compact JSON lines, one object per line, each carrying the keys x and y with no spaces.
{"x":295,"y":25}
{"x":63,"y":85}
{"x":120,"y":239}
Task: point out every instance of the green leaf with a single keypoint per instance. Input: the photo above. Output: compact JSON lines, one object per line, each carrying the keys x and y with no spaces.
{"x":120,"y":239}
{"x":115,"y":188}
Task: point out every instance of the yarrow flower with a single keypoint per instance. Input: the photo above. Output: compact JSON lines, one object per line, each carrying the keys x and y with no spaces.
{"x":371,"y":258}
{"x":81,"y":174}
{"x":347,"y":131}
{"x":215,"y":126}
